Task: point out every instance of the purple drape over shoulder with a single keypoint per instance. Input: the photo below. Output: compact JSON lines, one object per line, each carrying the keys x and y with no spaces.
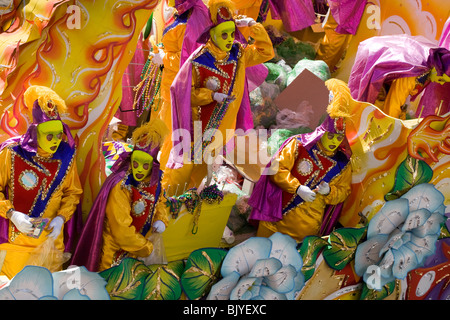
{"x":88,"y":250}
{"x":347,"y":14}
{"x":197,"y":23}
{"x":295,"y":14}
{"x":382,"y":59}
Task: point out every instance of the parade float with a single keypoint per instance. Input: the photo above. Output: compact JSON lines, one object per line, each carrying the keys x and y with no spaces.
{"x":391,"y":239}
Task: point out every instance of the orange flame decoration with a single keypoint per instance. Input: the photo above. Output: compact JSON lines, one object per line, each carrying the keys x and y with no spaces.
{"x":380,"y":144}
{"x":84,"y":66}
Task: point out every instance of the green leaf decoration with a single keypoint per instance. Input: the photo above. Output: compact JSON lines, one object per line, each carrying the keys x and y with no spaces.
{"x":125,"y":281}
{"x":343,"y":246}
{"x":202,"y":271}
{"x":410,"y":173}
{"x":309,"y":250}
{"x":164,"y":281}
{"x":372,"y":294}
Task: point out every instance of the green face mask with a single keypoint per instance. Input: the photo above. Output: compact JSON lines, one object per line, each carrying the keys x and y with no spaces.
{"x":223,"y":35}
{"x":141,"y":164}
{"x":49,"y":135}
{"x":331,"y":141}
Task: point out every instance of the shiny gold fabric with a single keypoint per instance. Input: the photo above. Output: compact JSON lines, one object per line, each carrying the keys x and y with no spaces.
{"x":118,"y":233}
{"x":63,"y":203}
{"x":306,"y":218}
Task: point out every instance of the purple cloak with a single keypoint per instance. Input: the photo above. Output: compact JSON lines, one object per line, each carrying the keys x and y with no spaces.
{"x":382,"y":59}
{"x":347,"y":14}
{"x":295,"y":14}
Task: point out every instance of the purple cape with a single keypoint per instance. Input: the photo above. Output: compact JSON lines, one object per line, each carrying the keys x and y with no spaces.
{"x":347,"y":14}
{"x":382,"y":59}
{"x":89,"y":247}
{"x":266,"y":198}
{"x":197,"y":23}
{"x":295,"y":14}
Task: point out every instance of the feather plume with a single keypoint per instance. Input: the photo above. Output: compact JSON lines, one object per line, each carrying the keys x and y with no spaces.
{"x":339,"y":105}
{"x":44,"y":95}
{"x":151,"y":133}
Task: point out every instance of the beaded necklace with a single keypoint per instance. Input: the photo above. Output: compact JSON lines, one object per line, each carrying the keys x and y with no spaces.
{"x":148,"y":90}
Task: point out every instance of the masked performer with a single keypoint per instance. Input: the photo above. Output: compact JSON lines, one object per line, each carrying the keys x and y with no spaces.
{"x":38,"y":180}
{"x":179,"y":40}
{"x":308,"y":175}
{"x":129,"y":207}
{"x":209,"y":90}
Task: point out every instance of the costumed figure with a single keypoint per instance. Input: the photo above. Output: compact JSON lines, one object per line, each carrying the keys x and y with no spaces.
{"x":179,"y":40}
{"x":39,"y":184}
{"x":342,"y":23}
{"x":305,"y":183}
{"x":389,"y":69}
{"x":211,"y":89}
{"x":129,"y":207}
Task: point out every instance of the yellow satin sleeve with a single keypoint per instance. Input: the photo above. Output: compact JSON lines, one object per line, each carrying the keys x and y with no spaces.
{"x":399,"y":91}
{"x":286,"y":160}
{"x":261,"y":50}
{"x":119,"y":224}
{"x":340,"y":187}
{"x":5,"y":174}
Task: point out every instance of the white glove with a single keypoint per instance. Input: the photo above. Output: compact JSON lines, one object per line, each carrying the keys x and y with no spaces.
{"x":158,"y":226}
{"x":323,"y":188}
{"x":158,"y":57}
{"x":245,"y":22}
{"x":220,"y":97}
{"x":56,"y":226}
{"x":22,"y":222}
{"x":306,"y":193}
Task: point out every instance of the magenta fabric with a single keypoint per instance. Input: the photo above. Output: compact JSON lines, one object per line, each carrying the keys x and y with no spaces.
{"x":382,"y":59}
{"x":198,"y":21}
{"x":132,"y":76}
{"x":89,"y":246}
{"x":347,"y":14}
{"x":295,"y":14}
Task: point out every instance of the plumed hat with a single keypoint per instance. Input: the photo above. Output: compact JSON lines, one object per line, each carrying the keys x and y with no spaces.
{"x":45,"y":105}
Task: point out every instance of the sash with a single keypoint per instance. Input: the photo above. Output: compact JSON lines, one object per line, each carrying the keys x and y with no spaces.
{"x":311,"y":168}
{"x":36,"y":179}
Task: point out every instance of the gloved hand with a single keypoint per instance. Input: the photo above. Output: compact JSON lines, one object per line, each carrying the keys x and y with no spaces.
{"x":245,"y":22}
{"x":323,"y":188}
{"x":56,"y":226}
{"x":158,"y":226}
{"x":158,"y":57}
{"x":21,"y":221}
{"x":306,"y":193}
{"x":220,"y":97}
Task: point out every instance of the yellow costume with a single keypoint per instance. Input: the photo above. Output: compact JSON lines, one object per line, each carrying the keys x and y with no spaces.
{"x":62,"y":202}
{"x":190,"y":175}
{"x":306,"y":218}
{"x":119,"y":233}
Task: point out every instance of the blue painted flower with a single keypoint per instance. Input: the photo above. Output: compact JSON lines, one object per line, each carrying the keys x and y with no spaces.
{"x":400,"y":236}
{"x":261,"y":269}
